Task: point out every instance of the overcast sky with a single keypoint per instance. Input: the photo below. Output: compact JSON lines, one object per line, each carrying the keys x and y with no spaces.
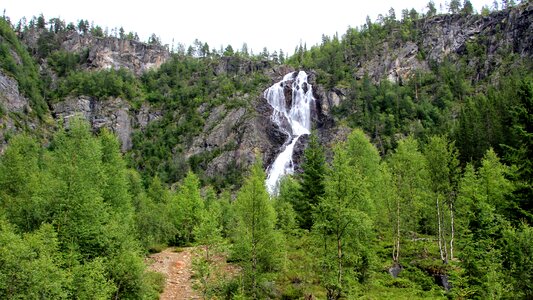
{"x":275,"y":24}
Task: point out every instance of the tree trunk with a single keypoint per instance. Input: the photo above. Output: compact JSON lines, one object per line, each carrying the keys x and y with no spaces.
{"x":339,"y":261}
{"x":396,"y":248}
{"x":452,"y":229}
{"x":440,"y":230}
{"x":254,"y":250}
{"x":442,"y":239}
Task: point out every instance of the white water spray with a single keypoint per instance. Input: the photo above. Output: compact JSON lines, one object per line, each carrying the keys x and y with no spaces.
{"x":294,"y":121}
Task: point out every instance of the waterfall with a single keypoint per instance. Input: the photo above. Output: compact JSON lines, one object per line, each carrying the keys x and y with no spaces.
{"x":294,"y":121}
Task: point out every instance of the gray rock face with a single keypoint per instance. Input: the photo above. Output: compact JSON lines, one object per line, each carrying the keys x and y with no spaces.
{"x":446,"y":37}
{"x":146,"y":115}
{"x":392,"y":62}
{"x":236,"y":65}
{"x":112,"y":114}
{"x":448,"y":34}
{"x":13,"y":108}
{"x":234,"y":135}
{"x":10,"y":97}
{"x":115,"y":53}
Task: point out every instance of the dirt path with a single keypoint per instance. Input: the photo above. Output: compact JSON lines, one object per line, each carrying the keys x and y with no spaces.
{"x":177,"y":268}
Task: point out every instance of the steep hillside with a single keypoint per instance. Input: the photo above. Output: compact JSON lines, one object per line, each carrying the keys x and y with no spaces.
{"x":204,"y":109}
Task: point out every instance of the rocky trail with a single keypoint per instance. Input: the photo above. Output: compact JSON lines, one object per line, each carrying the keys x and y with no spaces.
{"x":176,"y":265}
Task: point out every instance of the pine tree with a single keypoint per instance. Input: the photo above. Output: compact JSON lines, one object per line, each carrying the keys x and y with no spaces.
{"x":364,"y":157}
{"x":497,"y":187}
{"x":520,"y":153}
{"x":479,"y":225}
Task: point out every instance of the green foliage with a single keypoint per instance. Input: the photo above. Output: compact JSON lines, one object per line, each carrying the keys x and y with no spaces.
{"x":481,"y":225}
{"x":73,"y":206}
{"x":409,"y":169}
{"x":208,"y":232}
{"x":289,"y":192}
{"x":90,"y":281}
{"x":30,"y":266}
{"x":312,"y":182}
{"x":257,"y":244}
{"x":519,"y":152}
{"x":342,"y":228}
{"x":16,"y":61}
{"x":191,"y":87}
{"x":497,"y":188}
{"x":517,"y":259}
{"x":63,"y":63}
{"x":19,"y":184}
{"x":101,"y":84}
{"x":188,"y":209}
{"x":443,"y":169}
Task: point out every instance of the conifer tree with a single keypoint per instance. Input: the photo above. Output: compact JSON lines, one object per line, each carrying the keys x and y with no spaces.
{"x":188,"y":208}
{"x":19,"y":183}
{"x":312,"y":182}
{"x":257,"y":243}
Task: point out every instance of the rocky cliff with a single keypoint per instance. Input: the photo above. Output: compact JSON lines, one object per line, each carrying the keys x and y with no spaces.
{"x":12,"y":106}
{"x":99,"y":53}
{"x":446,"y":37}
{"x":115,"y":53}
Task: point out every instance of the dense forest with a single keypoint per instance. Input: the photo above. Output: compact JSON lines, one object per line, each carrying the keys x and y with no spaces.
{"x":428,"y":196}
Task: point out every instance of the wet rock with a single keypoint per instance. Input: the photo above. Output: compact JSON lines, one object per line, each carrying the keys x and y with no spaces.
{"x":395,"y":270}
{"x":442,"y":280}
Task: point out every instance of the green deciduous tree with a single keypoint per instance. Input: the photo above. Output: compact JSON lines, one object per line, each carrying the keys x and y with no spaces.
{"x":443,"y":169}
{"x":495,"y":183}
{"x":518,"y":259}
{"x":521,"y":150}
{"x":410,"y":176}
{"x":30,"y":266}
{"x":289,"y":193}
{"x":342,"y":228}
{"x":480,"y":225}
{"x":19,"y":184}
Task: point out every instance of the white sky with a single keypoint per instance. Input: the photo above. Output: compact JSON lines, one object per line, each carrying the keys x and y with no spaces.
{"x":275,"y":24}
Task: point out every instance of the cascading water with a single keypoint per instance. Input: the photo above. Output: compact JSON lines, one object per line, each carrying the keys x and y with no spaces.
{"x":294,"y":121}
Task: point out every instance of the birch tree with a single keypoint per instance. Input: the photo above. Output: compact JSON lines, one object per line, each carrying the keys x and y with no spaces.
{"x":443,"y":166}
{"x":342,"y":228}
{"x":409,"y":173}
